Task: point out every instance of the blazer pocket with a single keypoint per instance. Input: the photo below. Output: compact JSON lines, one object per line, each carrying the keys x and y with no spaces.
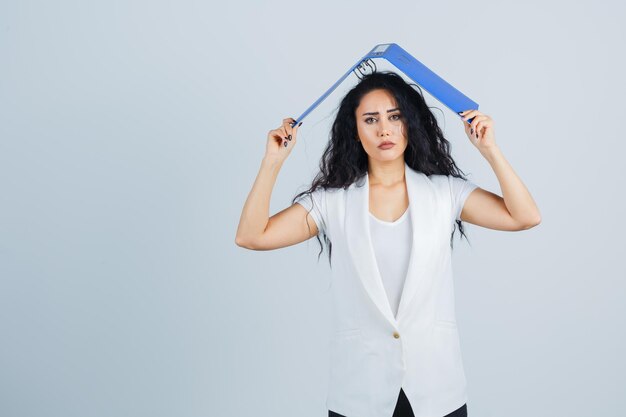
{"x":448,"y":324}
{"x":347,"y":333}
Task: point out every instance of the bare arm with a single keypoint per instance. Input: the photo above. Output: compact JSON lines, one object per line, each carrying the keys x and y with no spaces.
{"x":257,"y":230}
{"x":513,"y":212}
{"x":516,"y":209}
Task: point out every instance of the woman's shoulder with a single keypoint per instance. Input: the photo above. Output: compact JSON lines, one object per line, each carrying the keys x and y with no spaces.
{"x":440,"y":180}
{"x":451,"y":184}
{"x":438,"y":177}
{"x":320,"y":194}
{"x":446,"y":184}
{"x":443,"y":178}
{"x":337,"y":190}
{"x":320,"y":190}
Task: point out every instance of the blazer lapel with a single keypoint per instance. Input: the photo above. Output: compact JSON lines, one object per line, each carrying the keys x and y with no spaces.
{"x":425,"y":217}
{"x":359,"y":241}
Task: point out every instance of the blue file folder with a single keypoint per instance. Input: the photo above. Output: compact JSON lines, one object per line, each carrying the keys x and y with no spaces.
{"x":418,"y":72}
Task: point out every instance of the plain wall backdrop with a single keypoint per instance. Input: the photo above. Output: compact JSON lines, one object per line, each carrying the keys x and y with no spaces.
{"x":132,"y":131}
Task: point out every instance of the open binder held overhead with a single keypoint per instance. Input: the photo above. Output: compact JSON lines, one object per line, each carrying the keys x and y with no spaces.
{"x":418,"y":72}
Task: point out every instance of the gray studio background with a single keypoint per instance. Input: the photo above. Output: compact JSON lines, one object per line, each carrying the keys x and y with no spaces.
{"x":131,"y":133}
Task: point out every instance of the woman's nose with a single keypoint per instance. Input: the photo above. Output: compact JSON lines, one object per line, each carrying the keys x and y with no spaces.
{"x":384,"y":129}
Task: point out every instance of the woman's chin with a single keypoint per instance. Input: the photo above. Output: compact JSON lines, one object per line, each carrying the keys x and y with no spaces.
{"x":386,"y":156}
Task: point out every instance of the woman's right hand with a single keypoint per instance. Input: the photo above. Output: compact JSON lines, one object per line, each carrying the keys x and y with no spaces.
{"x":281,"y":140}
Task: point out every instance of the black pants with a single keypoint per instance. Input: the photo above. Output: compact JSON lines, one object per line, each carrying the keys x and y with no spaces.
{"x":403,"y":409}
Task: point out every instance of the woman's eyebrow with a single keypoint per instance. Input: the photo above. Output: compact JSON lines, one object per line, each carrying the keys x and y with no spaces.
{"x":374,"y":113}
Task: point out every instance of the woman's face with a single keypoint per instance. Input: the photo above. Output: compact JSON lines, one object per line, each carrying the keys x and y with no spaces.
{"x":378,"y":120}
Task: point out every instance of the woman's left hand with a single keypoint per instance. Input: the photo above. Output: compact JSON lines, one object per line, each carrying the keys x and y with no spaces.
{"x":480,"y":131}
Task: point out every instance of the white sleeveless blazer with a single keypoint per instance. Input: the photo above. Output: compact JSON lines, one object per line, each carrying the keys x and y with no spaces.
{"x":372,"y":353}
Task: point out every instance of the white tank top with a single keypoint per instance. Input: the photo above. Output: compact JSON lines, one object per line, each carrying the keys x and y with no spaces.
{"x":392,"y":247}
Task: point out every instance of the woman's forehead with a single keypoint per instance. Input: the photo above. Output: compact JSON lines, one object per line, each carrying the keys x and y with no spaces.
{"x":376,"y":99}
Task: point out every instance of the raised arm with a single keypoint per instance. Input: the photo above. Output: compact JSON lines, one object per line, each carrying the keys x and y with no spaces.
{"x":257,"y":230}
{"x":516,"y":209}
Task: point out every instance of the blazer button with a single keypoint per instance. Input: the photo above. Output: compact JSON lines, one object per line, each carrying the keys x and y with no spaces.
{"x":396,"y":335}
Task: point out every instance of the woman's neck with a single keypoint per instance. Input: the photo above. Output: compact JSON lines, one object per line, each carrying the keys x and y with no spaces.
{"x":386,"y":173}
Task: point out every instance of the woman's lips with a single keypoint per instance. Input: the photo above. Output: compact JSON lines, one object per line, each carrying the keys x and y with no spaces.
{"x":387,"y":145}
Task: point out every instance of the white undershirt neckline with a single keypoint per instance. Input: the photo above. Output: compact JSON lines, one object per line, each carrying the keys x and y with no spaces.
{"x":392,"y":248}
{"x":385,"y":222}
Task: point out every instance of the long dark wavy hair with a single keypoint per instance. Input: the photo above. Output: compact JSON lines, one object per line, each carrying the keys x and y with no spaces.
{"x":344,"y":160}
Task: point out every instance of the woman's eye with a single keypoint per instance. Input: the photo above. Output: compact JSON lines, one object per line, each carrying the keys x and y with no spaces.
{"x":393,"y":117}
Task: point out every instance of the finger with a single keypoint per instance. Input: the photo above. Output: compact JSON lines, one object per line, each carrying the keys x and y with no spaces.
{"x":293,"y":127}
{"x":287,"y":127}
{"x":469,"y":114}
{"x":483,"y":124}
{"x":283,"y":131}
{"x":468,"y":127}
{"x":476,"y":120}
{"x":462,"y":114}
{"x":295,"y":130}
{"x":289,"y":121}
{"x":277,"y":134}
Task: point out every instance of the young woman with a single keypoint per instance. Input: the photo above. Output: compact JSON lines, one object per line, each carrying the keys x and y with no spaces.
{"x":386,"y":201}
